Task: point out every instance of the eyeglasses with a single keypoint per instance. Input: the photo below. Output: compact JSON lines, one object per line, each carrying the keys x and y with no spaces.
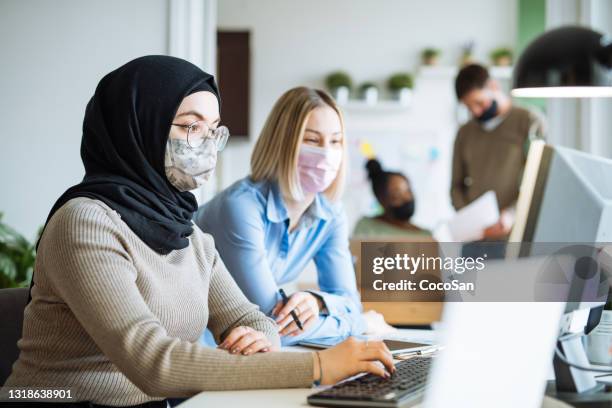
{"x":199,"y":131}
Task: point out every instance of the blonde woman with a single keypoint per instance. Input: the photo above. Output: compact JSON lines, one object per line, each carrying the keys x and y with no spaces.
{"x":270,"y":225}
{"x":124,"y":283}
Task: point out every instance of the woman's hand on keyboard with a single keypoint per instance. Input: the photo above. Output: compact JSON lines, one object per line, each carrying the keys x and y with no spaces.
{"x":352,"y":357}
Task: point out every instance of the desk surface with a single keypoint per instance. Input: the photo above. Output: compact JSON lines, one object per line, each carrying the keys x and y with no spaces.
{"x":289,"y":398}
{"x":296,"y":397}
{"x":282,"y":398}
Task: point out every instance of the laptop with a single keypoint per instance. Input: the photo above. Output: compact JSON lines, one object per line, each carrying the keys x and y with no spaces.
{"x":396,"y":347}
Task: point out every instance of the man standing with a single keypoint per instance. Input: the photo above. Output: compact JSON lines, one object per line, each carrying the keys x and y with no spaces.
{"x":490,"y":149}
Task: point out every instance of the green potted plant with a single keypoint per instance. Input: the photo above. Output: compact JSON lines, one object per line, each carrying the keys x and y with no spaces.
{"x":501,"y":56}
{"x":400,"y":85}
{"x":430,"y":56}
{"x":339,"y":83}
{"x":369,"y":92}
{"x":16,"y":258}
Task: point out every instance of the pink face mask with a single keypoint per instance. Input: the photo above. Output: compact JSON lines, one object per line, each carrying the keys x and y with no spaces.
{"x":318,"y":167}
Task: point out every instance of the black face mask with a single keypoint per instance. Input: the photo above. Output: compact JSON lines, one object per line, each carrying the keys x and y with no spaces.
{"x":490,"y":113}
{"x":403,"y":212}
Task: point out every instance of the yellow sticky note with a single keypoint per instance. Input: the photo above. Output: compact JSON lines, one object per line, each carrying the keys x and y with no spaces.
{"x":367,"y":150}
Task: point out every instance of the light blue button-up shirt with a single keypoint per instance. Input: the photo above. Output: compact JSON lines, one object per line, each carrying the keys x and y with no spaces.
{"x":250,"y":225}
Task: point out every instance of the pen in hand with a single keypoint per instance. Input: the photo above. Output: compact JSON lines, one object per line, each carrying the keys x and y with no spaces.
{"x":293,"y":314}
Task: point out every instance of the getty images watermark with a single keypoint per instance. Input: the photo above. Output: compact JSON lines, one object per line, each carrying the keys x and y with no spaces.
{"x":484,"y":272}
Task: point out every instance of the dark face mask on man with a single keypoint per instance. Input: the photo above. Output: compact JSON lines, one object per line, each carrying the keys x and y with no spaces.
{"x":489,"y":113}
{"x":404,"y":211}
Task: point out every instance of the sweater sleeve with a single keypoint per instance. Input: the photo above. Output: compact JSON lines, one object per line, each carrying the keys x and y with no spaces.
{"x":92,"y":272}
{"x":229,"y":307}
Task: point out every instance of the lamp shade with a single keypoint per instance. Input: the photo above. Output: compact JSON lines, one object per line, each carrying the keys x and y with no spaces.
{"x":565,"y":62}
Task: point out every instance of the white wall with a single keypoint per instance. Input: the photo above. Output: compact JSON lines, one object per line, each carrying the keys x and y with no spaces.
{"x":52,"y":55}
{"x":596,"y":121}
{"x":298,"y":43}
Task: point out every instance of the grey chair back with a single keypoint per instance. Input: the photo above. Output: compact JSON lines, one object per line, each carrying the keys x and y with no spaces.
{"x":12,"y":304}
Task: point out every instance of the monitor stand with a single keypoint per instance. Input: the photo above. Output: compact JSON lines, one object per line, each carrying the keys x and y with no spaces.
{"x":574,"y":386}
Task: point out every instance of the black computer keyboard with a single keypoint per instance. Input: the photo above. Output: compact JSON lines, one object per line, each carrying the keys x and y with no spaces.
{"x":406,"y":384}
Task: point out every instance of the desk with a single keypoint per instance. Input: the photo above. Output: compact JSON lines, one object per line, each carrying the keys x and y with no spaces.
{"x":296,"y":397}
{"x":283,"y":398}
{"x":289,"y":398}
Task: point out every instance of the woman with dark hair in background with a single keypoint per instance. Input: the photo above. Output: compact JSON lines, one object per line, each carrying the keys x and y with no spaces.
{"x":393,"y":192}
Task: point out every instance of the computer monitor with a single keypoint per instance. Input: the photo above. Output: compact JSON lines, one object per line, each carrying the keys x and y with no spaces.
{"x":565,"y":204}
{"x":565,"y":197}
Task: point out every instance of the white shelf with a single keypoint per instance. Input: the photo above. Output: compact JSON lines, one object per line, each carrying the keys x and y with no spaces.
{"x":501,"y":72}
{"x":437,"y":71}
{"x":450,"y":71}
{"x":382,"y":106}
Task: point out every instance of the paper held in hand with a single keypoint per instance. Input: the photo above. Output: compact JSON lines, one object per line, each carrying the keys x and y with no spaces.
{"x":469,"y":223}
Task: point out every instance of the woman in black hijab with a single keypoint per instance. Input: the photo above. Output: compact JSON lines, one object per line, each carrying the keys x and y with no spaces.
{"x":124,"y":283}
{"x":124,"y":139}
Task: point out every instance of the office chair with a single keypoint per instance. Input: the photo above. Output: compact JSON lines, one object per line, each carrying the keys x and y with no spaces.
{"x":12,"y":304}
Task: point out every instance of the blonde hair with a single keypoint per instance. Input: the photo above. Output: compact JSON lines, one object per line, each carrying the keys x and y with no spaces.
{"x":275,"y":156}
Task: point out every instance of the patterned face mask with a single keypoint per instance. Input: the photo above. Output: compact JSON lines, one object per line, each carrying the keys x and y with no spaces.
{"x":188,"y":168}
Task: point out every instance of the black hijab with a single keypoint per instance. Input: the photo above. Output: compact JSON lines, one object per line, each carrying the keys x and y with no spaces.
{"x":125,"y":131}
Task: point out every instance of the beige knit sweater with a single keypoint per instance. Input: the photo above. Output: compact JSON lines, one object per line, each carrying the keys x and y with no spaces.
{"x":119,"y":323}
